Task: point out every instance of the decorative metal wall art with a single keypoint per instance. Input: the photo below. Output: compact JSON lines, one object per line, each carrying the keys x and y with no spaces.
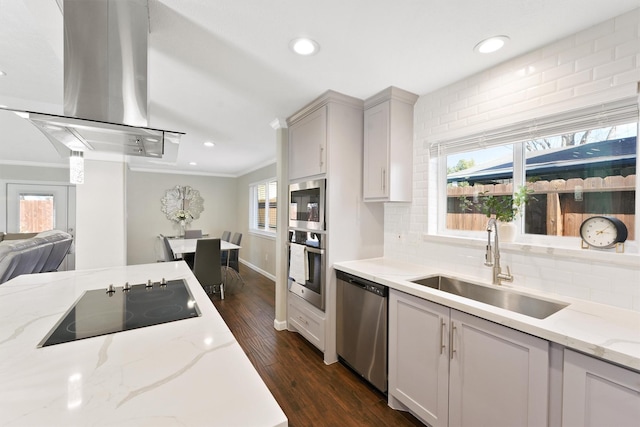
{"x":182,"y":204}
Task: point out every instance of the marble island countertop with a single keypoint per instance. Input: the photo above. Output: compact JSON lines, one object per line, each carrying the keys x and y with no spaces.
{"x":189,"y":372}
{"x":600,"y":330}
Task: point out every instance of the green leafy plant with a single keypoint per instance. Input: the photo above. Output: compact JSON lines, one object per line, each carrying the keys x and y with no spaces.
{"x":505,"y":208}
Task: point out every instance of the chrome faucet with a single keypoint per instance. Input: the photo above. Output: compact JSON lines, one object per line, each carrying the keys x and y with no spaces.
{"x":492,"y":256}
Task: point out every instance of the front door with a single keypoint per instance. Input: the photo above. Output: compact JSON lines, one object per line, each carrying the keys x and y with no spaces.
{"x":32,"y":208}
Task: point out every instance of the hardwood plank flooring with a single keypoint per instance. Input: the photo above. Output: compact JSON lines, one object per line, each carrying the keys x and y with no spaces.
{"x":309,"y":392}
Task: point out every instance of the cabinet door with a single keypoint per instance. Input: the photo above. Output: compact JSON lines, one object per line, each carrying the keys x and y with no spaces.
{"x":376,"y":151}
{"x":307,"y":145}
{"x":418,"y":356}
{"x":498,"y":376}
{"x":597,"y":393}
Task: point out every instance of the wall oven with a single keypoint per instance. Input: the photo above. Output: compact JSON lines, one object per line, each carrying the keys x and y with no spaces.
{"x":306,"y":205}
{"x":307,"y":266}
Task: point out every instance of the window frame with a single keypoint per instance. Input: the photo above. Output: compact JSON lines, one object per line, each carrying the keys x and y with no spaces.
{"x":438,"y":161}
{"x":254,"y":208}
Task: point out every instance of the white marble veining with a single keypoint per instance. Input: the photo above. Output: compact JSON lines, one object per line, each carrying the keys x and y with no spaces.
{"x":190,"y":372}
{"x":600,"y":330}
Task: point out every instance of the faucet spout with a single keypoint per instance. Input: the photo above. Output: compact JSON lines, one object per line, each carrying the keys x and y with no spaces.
{"x":492,"y":255}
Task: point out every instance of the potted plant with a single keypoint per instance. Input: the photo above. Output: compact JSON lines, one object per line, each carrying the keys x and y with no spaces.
{"x":505,"y":209}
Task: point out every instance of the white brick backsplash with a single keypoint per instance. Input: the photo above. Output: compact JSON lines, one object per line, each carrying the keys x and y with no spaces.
{"x":574,"y":79}
{"x":596,"y":32}
{"x":588,"y":62}
{"x":614,"y":67}
{"x":629,"y":48}
{"x":597,"y":65}
{"x":592,"y":87}
{"x":575,"y":53}
{"x":627,"y":77}
{"x":554,"y":74}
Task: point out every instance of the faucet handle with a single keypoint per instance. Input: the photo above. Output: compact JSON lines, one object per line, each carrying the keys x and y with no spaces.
{"x":506,"y":277}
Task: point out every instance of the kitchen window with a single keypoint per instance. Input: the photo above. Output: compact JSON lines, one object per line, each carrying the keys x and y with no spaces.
{"x":576,"y":165}
{"x":263,"y":207}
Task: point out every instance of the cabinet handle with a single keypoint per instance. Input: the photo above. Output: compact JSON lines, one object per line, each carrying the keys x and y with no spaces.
{"x":320,"y":157}
{"x":442,"y":346}
{"x":384,"y":180}
{"x":453,"y":339}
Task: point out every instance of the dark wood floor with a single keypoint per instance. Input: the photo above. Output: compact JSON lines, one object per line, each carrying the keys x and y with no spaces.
{"x":309,"y":392}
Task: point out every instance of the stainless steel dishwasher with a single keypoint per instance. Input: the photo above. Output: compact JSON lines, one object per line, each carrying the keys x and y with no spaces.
{"x":361,"y":322}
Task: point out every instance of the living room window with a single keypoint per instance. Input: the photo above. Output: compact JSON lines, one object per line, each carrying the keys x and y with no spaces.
{"x":263,"y":206}
{"x":575,"y":165}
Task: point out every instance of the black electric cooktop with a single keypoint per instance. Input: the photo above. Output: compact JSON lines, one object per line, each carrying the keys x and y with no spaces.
{"x":116,"y":309}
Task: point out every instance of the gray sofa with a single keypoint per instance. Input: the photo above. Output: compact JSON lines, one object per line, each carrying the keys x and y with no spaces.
{"x":26,"y":253}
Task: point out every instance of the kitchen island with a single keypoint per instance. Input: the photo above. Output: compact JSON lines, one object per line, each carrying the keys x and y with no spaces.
{"x":189,"y":372}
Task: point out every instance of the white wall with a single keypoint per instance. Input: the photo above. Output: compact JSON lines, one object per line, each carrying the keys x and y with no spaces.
{"x":145,"y":221}
{"x":597,"y":65}
{"x":100,"y":216}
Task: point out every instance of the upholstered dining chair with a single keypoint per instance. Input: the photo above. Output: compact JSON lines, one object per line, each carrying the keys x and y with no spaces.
{"x":233,"y":254}
{"x":193,"y":234}
{"x":226,"y":235}
{"x":206,"y":267}
{"x":168,"y":252}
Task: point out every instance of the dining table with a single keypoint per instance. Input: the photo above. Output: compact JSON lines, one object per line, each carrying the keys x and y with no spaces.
{"x":187,"y":246}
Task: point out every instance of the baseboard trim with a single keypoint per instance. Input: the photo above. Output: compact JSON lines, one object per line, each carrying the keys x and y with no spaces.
{"x":279,"y":325}
{"x":257,"y":269}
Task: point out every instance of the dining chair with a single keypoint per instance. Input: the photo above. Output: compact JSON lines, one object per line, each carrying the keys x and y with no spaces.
{"x":206,"y":267}
{"x":233,"y":254}
{"x":226,"y":235}
{"x":193,"y":234}
{"x":168,"y":252}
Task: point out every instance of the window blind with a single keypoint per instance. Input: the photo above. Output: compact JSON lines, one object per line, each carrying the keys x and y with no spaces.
{"x":594,"y":117}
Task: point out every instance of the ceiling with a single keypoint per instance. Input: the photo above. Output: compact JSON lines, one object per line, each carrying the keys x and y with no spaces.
{"x":222,"y":71}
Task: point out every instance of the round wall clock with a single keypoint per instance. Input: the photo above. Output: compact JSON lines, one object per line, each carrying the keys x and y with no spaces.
{"x":603,"y":232}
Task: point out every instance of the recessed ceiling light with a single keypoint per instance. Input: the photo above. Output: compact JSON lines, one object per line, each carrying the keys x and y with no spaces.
{"x":491,"y":44}
{"x":209,"y":144}
{"x":193,"y":163}
{"x":2,"y":73}
{"x":304,"y":46}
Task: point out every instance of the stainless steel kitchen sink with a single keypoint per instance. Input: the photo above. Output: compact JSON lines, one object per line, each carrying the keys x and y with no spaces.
{"x":503,"y":298}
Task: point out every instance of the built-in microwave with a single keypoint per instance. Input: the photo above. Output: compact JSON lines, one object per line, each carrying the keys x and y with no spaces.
{"x":306,"y":205}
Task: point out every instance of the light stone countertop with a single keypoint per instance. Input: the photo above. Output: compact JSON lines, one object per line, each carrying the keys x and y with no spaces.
{"x":189,"y":372}
{"x":600,"y":330}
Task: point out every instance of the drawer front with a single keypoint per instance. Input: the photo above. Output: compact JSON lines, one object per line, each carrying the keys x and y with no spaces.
{"x":307,"y":324}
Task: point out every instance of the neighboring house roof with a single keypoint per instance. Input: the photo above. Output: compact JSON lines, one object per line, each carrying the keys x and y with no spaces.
{"x":605,"y":158}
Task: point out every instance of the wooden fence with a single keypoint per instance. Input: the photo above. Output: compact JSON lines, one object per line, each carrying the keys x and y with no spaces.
{"x":36,"y":215}
{"x":558,"y":207}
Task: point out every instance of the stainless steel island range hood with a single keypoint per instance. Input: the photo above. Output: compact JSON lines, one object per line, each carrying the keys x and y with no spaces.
{"x":105,"y":82}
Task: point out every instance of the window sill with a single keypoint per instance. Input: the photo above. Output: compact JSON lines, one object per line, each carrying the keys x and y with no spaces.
{"x":263,"y":234}
{"x":628,"y":259}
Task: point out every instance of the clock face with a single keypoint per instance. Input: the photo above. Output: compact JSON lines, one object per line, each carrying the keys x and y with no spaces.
{"x":602,"y":232}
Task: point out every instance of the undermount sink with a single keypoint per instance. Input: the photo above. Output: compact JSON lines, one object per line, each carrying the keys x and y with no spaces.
{"x":503,"y":298}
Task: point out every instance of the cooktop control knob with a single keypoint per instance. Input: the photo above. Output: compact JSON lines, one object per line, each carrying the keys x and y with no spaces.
{"x":149,"y":283}
{"x":111,"y":290}
{"x":163,"y":282}
{"x":126,"y":287}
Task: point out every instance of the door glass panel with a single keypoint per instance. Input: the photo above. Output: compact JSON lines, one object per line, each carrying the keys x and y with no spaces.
{"x":37,"y":213}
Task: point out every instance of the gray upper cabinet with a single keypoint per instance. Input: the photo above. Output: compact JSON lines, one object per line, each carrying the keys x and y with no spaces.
{"x":308,"y":145}
{"x":388,"y":146}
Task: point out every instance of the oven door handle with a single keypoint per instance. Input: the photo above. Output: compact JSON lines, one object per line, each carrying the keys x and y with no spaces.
{"x":311,"y":249}
{"x":314,"y":250}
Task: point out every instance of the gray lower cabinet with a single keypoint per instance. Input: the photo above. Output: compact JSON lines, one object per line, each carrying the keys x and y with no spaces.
{"x":453,"y":369}
{"x":598,"y":393}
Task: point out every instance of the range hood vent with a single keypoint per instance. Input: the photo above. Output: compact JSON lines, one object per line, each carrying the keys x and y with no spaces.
{"x":105,"y":82}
